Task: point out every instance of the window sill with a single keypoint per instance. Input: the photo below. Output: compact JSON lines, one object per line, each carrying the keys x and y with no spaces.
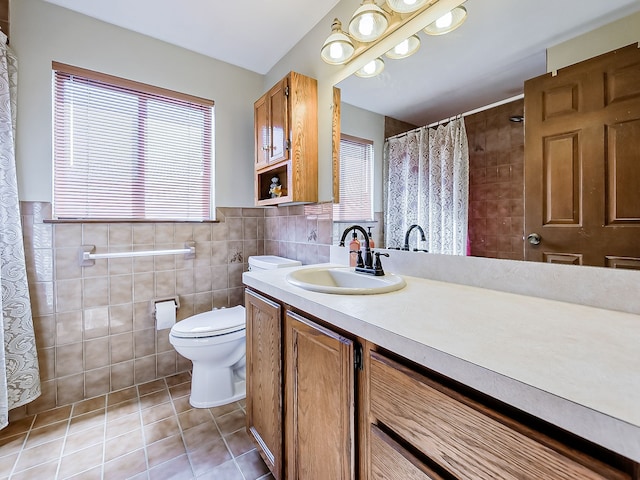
{"x":122,"y":220}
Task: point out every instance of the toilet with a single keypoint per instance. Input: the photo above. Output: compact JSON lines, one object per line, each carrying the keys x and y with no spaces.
{"x":215,"y":342}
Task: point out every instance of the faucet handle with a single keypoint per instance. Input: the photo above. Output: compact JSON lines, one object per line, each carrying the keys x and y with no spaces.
{"x":378,"y":266}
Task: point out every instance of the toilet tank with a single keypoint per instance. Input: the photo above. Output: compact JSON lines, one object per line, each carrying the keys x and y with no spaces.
{"x":271,"y":262}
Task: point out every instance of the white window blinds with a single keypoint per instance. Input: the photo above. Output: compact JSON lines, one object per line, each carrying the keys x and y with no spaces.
{"x":356,"y":173}
{"x":124,"y":150}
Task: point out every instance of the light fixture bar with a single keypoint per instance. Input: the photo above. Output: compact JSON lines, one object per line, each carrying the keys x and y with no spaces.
{"x":398,"y":30}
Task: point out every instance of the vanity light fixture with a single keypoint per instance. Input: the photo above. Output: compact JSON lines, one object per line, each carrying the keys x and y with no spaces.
{"x":371,"y":69}
{"x":368,"y":22}
{"x":338,"y":47}
{"x":372,"y":24}
{"x":406,"y":6}
{"x":405,"y":48}
{"x":448,"y":22}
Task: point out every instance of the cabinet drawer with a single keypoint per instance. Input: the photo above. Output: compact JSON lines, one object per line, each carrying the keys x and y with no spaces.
{"x":466,"y":438}
{"x":389,"y":461}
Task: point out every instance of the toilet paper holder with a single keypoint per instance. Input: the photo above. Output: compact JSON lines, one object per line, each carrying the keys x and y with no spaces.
{"x":152,"y":304}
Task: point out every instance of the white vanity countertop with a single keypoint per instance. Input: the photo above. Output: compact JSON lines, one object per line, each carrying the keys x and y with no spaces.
{"x":574,"y":366}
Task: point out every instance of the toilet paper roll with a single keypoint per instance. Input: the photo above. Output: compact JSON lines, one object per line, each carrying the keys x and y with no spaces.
{"x":165,"y":314}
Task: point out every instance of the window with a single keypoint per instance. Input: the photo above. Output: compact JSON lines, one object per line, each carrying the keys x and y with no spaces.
{"x":125,"y":150}
{"x":356,"y":173}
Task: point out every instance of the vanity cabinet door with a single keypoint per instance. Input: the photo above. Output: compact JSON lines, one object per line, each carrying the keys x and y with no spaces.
{"x":465,"y":438}
{"x":264,"y":378}
{"x":319,"y":401}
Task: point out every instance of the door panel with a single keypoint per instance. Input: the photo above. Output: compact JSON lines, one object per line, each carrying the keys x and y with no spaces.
{"x":582,"y":162}
{"x":319,"y":401}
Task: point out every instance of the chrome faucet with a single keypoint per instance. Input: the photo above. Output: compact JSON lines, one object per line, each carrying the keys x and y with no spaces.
{"x":406,"y":237}
{"x":367,"y":266}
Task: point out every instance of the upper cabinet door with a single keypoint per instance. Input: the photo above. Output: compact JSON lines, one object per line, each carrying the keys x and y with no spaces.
{"x":277,"y":98}
{"x":262,"y":137}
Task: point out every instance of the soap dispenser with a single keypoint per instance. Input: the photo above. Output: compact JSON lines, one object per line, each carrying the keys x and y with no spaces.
{"x":354,"y":247}
{"x":371,"y":244}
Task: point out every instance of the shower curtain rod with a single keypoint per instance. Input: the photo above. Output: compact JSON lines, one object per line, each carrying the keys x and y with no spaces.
{"x":461,"y":115}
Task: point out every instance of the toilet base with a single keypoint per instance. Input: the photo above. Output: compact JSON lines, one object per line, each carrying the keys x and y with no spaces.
{"x":212,"y":388}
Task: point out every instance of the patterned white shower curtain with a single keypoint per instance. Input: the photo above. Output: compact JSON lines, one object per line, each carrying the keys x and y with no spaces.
{"x":427,"y":183}
{"x":19,"y":375}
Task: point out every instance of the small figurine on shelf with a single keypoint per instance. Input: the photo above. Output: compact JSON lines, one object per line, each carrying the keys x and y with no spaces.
{"x":276,"y":188}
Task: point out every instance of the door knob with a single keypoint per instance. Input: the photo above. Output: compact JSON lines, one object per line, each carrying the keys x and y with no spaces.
{"x":534,"y":239}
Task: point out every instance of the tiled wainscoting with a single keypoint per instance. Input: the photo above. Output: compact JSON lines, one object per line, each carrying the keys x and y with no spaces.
{"x":146,"y":432}
{"x":95,"y":329}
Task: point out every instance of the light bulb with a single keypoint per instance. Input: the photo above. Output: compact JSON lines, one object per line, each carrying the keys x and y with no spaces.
{"x":365,"y":27}
{"x":370,"y":67}
{"x":335,"y":50}
{"x":409,"y":2}
{"x":445,"y":20}
{"x":402,"y":48}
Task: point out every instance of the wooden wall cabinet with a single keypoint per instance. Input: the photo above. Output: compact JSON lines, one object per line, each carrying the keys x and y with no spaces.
{"x":286,"y":141}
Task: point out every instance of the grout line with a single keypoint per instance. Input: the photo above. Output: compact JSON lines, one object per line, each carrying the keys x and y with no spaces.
{"x":144,"y":440}
{"x":24,"y":442}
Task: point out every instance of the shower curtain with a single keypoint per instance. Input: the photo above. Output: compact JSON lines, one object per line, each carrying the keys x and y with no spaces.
{"x":427,"y":183}
{"x":19,"y":375}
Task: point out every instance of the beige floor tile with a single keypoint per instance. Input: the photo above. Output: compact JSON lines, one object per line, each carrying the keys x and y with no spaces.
{"x":180,"y":390}
{"x":150,"y":387}
{"x":122,"y":395}
{"x":38,"y":436}
{"x":165,"y":450}
{"x":43,"y":471}
{"x":6,"y":464}
{"x":231,"y":422}
{"x":224,"y":409}
{"x":12,"y":444}
{"x":177,"y":469}
{"x":52,"y":416}
{"x":194,"y":417}
{"x":122,"y":409}
{"x":154,"y":399}
{"x":239,"y":443}
{"x":93,"y":474}
{"x":89,"y":405}
{"x":181,"y":404}
{"x":227,"y":471}
{"x":162,"y":429}
{"x":126,"y":466}
{"x":19,"y":426}
{"x":200,"y":436}
{"x":86,"y":421}
{"x":84,"y":439}
{"x":153,"y":414}
{"x":123,"y":425}
{"x":251,"y":465}
{"x":179,"y":378}
{"x":81,"y":461}
{"x":41,"y":454}
{"x":209,"y":457}
{"x":119,"y":446}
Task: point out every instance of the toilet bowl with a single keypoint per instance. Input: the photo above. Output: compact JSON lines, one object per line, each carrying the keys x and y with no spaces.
{"x":215,"y":342}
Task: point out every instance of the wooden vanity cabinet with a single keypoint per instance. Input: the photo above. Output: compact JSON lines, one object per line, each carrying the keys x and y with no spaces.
{"x":264,"y":378}
{"x":319,"y":400}
{"x":300,"y":393}
{"x":286,"y":141}
{"x":418,"y":426}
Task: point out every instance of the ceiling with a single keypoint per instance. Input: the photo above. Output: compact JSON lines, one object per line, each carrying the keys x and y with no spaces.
{"x":502,"y":43}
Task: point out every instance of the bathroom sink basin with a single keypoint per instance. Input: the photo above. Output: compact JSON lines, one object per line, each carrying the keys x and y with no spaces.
{"x":344,"y":281}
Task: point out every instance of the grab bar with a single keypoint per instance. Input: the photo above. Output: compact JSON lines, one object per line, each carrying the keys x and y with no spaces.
{"x":88,"y":258}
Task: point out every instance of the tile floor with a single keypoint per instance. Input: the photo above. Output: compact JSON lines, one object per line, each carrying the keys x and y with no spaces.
{"x":147,"y":432}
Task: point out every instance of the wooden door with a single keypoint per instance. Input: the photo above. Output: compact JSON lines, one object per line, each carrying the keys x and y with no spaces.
{"x":277,"y":99}
{"x":319,"y":401}
{"x":262,"y":141}
{"x":582,"y":162}
{"x":264,"y":379}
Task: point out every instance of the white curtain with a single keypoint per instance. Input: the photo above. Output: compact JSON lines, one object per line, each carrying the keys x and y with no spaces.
{"x":427,"y":183}
{"x":19,"y":375}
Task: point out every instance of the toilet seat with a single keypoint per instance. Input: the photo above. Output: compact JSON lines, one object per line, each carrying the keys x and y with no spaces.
{"x":222,"y":321}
